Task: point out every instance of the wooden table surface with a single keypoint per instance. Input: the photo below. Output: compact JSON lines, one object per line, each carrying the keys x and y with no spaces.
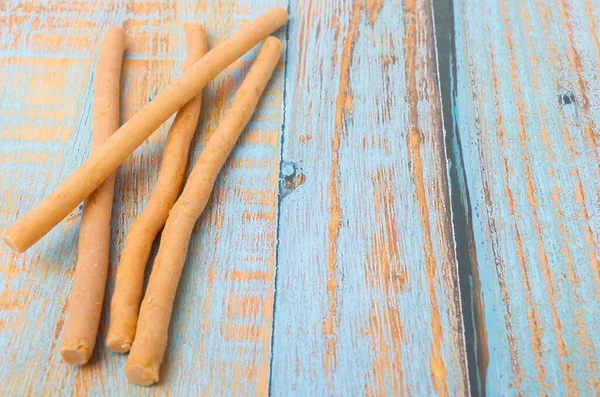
{"x":414,"y":209}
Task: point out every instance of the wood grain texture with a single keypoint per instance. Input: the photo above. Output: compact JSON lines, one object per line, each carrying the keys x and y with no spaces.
{"x":221,"y":332}
{"x":528,"y":95}
{"x":366,"y":290}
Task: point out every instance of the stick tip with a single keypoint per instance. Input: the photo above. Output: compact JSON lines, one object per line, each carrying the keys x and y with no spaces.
{"x":191,"y":24}
{"x":76,"y":354}
{"x":280,"y":14}
{"x":113,"y":39}
{"x":116,"y":31}
{"x":8,"y":240}
{"x":118,"y":345}
{"x":273,"y":41}
{"x":195,"y":32}
{"x":143,"y":375}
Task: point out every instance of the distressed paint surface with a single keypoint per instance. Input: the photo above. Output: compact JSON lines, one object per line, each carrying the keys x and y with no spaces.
{"x":527,"y":111}
{"x":366,"y":290}
{"x":325,"y":264}
{"x":221,"y":328}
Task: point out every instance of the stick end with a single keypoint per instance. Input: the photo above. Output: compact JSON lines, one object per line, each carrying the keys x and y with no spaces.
{"x":273,"y":41}
{"x":118,"y":345}
{"x":143,"y":375}
{"x":280,"y":14}
{"x":76,"y":354}
{"x":9,"y":240}
{"x":115,"y":30}
{"x":194,"y":25}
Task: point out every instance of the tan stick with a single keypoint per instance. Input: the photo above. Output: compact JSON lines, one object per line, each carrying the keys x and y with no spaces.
{"x":130,"y":275}
{"x":85,"y":179}
{"x":150,"y":341}
{"x":89,"y":280}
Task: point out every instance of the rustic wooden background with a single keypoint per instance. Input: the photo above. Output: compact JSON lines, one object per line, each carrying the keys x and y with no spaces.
{"x":354,"y":245}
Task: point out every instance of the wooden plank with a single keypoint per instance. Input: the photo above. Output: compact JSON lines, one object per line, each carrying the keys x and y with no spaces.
{"x":366,"y":289}
{"x":220,"y":337}
{"x":528,"y":95}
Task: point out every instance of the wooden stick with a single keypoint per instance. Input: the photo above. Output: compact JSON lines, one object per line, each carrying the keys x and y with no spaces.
{"x":130,"y":275}
{"x":150,"y":341}
{"x":87,"y":292}
{"x":85,"y":179}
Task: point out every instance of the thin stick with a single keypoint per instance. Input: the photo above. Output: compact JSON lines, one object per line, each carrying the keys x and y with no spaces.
{"x":87,"y":292}
{"x":85,"y":179}
{"x":130,"y":275}
{"x":150,"y":341}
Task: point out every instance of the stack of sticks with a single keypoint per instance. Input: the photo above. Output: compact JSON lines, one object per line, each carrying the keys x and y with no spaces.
{"x":142,"y":329}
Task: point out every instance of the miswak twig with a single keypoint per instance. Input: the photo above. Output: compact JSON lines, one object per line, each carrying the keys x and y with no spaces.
{"x":147,"y":350}
{"x":126,"y":299}
{"x":89,"y":280}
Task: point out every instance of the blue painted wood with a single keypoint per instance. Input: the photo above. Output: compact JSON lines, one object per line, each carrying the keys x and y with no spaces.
{"x":221,"y":332}
{"x":366,"y":289}
{"x":527,"y":114}
{"x":366,"y":286}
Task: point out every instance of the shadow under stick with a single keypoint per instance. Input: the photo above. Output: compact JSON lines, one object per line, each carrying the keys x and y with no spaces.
{"x":126,"y":299}
{"x":147,"y":351}
{"x":89,"y":280}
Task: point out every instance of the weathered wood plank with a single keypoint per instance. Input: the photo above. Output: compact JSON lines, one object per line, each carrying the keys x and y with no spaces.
{"x":366,"y":289}
{"x":528,"y":95}
{"x":220,"y":337}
